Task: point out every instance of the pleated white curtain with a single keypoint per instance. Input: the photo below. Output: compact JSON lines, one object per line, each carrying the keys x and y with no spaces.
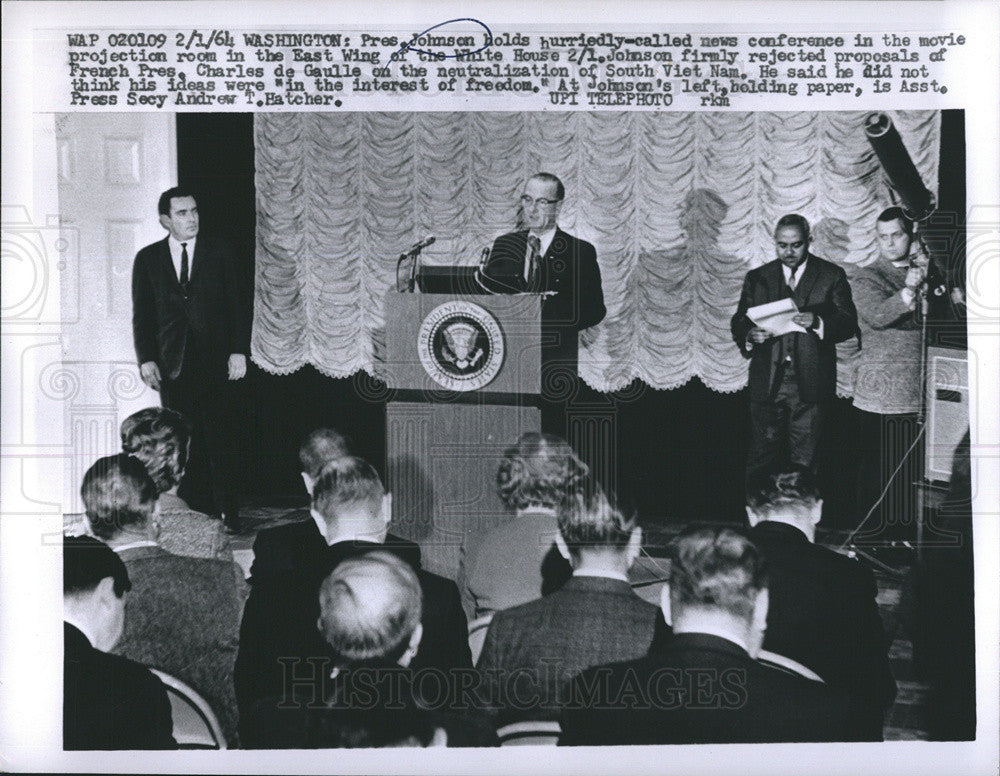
{"x":678,"y":205}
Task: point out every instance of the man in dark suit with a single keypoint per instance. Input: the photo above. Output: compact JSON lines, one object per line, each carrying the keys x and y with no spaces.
{"x":184,"y":612}
{"x":532,"y":650}
{"x":541,"y":257}
{"x":822,"y":610}
{"x":703,"y":685}
{"x":370,"y":609}
{"x":109,"y":702}
{"x":191,"y":337}
{"x":350,"y":514}
{"x":792,"y":375}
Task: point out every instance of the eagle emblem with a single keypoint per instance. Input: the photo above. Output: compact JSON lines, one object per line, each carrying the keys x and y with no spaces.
{"x":461,"y":346}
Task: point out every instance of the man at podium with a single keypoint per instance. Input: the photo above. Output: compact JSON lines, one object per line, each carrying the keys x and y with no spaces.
{"x":541,"y":257}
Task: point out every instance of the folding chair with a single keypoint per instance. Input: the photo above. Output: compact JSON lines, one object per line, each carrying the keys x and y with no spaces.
{"x":530,"y":733}
{"x":195,"y":724}
{"x":477,"y":635}
{"x":774,"y":660}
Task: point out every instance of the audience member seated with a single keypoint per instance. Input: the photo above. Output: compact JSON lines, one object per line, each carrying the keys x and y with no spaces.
{"x":822,"y":610}
{"x":161,"y":439}
{"x":365,"y":694}
{"x":703,"y":685}
{"x":319,"y":448}
{"x":517,"y":561}
{"x":350,"y":516}
{"x":109,"y":702}
{"x":184,"y":613}
{"x":944,"y":632}
{"x":533,"y":650}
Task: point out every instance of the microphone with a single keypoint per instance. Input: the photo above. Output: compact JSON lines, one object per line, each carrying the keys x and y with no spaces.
{"x":484,"y":257}
{"x":417,"y":247}
{"x":412,"y":254}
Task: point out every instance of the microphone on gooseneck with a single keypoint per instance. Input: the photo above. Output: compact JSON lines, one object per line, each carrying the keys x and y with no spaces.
{"x":428,"y":240}
{"x":484,"y":258}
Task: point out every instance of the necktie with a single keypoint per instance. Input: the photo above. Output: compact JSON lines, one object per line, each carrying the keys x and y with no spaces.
{"x":534,"y":249}
{"x":184,"y":268}
{"x":790,"y":284}
{"x":787,"y":344}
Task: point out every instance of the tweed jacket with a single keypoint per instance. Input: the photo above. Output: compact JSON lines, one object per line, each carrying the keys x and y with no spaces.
{"x":184,"y":531}
{"x":887,"y":369}
{"x":183,"y":617}
{"x":543,"y":644}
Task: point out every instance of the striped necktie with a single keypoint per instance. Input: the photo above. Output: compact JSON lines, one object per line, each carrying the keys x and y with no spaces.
{"x":534,"y":253}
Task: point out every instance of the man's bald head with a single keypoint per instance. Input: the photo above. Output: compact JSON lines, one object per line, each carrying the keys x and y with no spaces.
{"x":370,"y":609}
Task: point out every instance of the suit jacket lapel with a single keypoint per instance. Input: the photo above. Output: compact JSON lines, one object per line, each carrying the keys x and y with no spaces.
{"x":806,"y":282}
{"x":197,"y":260}
{"x":167,"y":264}
{"x":558,"y":246}
{"x":559,"y":240}
{"x":774,"y":276}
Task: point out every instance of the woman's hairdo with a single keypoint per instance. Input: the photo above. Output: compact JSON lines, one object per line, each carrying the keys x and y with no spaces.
{"x":539,"y":470}
{"x":160,"y":438}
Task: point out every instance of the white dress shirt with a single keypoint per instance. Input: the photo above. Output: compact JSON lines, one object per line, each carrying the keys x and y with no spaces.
{"x":135,"y":545}
{"x":600,"y":573}
{"x":792,"y":278}
{"x":175,"y":255}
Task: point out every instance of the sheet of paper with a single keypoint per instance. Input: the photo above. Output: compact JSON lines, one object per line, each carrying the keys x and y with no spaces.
{"x":776,"y":317}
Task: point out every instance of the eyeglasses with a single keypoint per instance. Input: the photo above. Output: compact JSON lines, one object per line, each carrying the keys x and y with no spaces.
{"x":527,"y":202}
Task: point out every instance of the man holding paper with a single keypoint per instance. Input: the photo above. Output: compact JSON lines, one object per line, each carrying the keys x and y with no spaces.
{"x":792,"y":313}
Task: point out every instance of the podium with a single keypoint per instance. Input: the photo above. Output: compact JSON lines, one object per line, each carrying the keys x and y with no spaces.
{"x":464,"y":374}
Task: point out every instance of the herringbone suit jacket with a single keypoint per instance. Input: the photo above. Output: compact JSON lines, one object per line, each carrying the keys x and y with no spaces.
{"x":533,"y":650}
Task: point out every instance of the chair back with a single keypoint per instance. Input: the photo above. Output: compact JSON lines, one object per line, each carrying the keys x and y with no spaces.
{"x":530,"y":733}
{"x":195,"y":724}
{"x":244,"y":558}
{"x":477,"y":635}
{"x":774,"y":660}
